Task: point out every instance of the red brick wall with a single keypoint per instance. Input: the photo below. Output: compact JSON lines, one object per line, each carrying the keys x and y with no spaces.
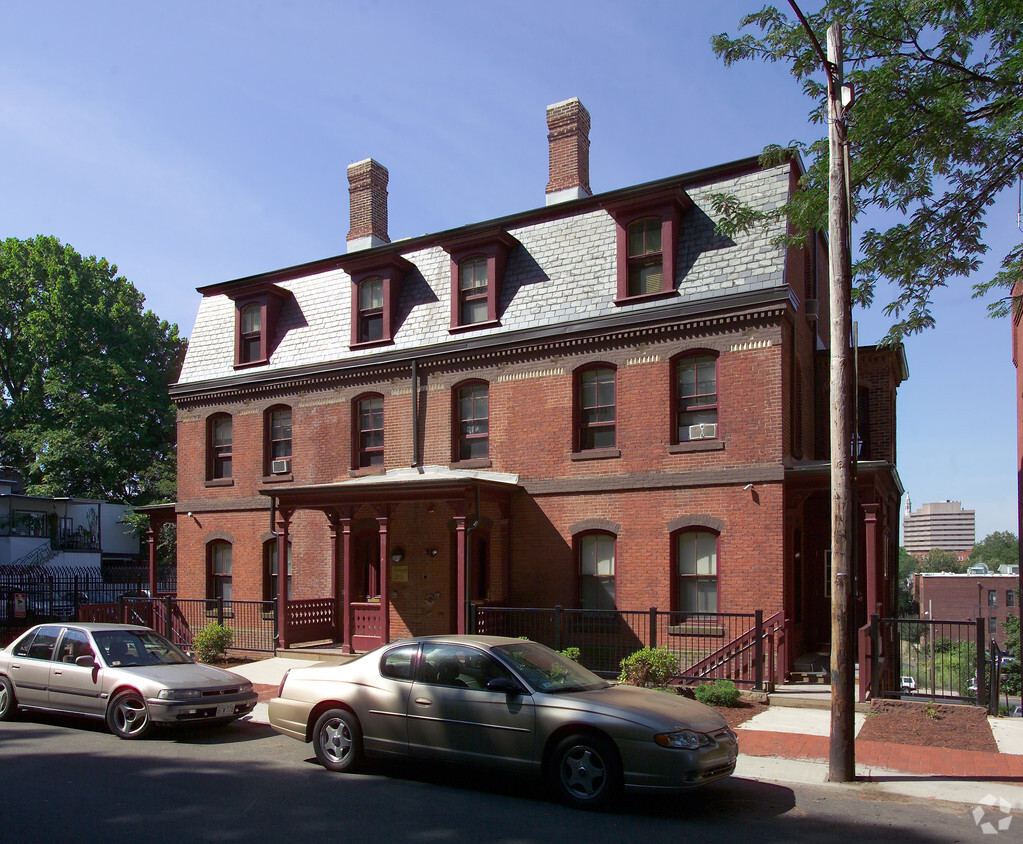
{"x":955,"y":597}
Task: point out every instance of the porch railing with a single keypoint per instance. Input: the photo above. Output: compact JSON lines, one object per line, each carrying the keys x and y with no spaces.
{"x":741,"y":647}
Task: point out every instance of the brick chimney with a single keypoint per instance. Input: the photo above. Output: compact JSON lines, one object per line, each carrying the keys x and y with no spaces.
{"x":568,"y":135}
{"x":367,"y":187}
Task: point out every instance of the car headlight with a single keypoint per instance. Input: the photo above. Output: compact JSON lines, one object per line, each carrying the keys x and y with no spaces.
{"x":684,"y":739}
{"x":245,"y":688}
{"x":179,"y":694}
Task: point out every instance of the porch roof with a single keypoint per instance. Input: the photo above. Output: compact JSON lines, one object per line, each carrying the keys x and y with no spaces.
{"x":395,"y":485}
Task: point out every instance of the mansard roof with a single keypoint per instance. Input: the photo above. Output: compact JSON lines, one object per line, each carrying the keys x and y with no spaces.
{"x":562,"y":273}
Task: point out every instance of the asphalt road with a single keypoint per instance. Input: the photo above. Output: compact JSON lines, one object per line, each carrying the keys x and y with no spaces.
{"x":69,"y":780}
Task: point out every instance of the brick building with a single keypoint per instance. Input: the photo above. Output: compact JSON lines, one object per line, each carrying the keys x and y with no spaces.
{"x":939,"y":524}
{"x":601,"y":402}
{"x":991,"y":596}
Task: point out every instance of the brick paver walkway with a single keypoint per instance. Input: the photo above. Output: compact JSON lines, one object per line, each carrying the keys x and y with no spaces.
{"x":904,"y":758}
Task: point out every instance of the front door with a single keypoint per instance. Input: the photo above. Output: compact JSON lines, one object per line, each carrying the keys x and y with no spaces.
{"x":452,"y":714}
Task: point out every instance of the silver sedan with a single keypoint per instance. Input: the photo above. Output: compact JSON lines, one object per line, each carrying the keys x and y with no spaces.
{"x":130,"y":676}
{"x":506,"y":702}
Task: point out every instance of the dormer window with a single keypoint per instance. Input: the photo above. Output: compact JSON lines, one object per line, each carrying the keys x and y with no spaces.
{"x":250,"y":342}
{"x":472,"y":290}
{"x":371,"y":310}
{"x":646,"y":265}
{"x":376,"y":287}
{"x":647,"y":233}
{"x":477,"y":272}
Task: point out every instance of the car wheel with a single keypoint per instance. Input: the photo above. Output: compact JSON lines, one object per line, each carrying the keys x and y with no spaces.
{"x":8,"y":701}
{"x":337,"y":740}
{"x":128,"y":716}
{"x":586,"y":772}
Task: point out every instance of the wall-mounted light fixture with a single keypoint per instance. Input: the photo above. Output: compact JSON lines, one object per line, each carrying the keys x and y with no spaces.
{"x":397,"y":555}
{"x":747,"y":488}
{"x":431,"y":552}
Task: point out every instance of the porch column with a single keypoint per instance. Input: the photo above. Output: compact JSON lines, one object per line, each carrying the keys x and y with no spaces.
{"x":460,"y":604}
{"x":332,"y":522}
{"x":151,"y":537}
{"x":870,"y":541}
{"x":385,"y":595}
{"x":283,"y":522}
{"x":346,"y":596}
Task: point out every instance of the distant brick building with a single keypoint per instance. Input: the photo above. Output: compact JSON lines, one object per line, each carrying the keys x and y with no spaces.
{"x":965,"y":597}
{"x":602,"y":402}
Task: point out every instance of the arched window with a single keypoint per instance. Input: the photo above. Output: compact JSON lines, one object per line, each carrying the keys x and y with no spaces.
{"x":696,"y":571}
{"x":219,"y":446}
{"x":646,"y":268}
{"x":696,"y":398}
{"x":596,"y":555}
{"x":277,"y":427}
{"x":271,"y":570}
{"x":371,"y":309}
{"x":472,"y":290}
{"x":472,"y":411}
{"x":369,"y":428}
{"x":218,"y":577}
{"x":596,"y":404}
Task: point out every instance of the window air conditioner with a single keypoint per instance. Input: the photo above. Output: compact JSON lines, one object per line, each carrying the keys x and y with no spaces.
{"x":280,"y":467}
{"x":704,"y":431}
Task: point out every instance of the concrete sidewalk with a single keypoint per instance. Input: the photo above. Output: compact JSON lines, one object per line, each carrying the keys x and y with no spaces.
{"x":789,"y":742}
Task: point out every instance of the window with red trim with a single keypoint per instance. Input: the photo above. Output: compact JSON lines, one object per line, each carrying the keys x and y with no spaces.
{"x":596,"y":554}
{"x":477,"y":272}
{"x":371,"y":309}
{"x":251,"y":333}
{"x":696,"y":571}
{"x":220,"y":446}
{"x":376,"y":289}
{"x":472,"y":405}
{"x":696,"y":398}
{"x":369,"y":427}
{"x":596,"y":403}
{"x":271,"y":579}
{"x":278,"y":439}
{"x":219,"y":579}
{"x":646,"y":267}
{"x":472,"y":290}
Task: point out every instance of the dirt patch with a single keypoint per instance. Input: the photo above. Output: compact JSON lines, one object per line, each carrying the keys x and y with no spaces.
{"x":928,"y":725}
{"x":741,"y":712}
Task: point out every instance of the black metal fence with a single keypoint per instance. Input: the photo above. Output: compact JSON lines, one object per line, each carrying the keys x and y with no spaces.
{"x":941,"y":660}
{"x":33,"y":595}
{"x":736,"y":646}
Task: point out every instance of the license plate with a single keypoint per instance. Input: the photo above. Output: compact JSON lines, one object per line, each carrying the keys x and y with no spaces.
{"x":225,"y":709}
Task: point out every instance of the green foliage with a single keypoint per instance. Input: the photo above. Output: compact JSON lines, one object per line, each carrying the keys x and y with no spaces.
{"x":717,"y":693}
{"x":212,"y":642}
{"x":937,"y":560}
{"x":936,"y":132}
{"x":907,"y":606}
{"x":572,"y":654}
{"x":1000,"y":548}
{"x":1011,"y":677}
{"x":649,"y":667}
{"x":84,"y":371}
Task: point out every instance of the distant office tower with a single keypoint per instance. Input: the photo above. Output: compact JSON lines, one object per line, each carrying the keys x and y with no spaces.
{"x":940,"y":524}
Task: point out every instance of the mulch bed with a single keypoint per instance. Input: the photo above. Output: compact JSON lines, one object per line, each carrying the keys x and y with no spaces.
{"x":742,"y":711}
{"x":927,"y":724}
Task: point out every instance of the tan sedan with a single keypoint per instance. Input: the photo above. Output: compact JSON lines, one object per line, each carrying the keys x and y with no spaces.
{"x":506,"y":702}
{"x":130,"y":676}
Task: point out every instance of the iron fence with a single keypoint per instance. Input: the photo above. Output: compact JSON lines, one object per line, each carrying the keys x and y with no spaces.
{"x":941,"y":660}
{"x":737,"y":646}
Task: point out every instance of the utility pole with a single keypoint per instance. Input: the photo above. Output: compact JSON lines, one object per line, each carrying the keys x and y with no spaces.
{"x":841,"y":757}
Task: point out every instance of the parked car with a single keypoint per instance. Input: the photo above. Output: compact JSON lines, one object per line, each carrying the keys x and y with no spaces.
{"x":128,"y":675}
{"x":506,"y":702}
{"x":1016,"y":712}
{"x":908,"y":685}
{"x":61,"y":607}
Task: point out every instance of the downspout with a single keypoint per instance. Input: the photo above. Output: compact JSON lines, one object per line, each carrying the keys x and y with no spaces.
{"x":415,"y":413}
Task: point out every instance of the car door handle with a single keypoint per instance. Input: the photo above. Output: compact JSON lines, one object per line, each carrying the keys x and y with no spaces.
{"x":57,"y":671}
{"x":422,"y":701}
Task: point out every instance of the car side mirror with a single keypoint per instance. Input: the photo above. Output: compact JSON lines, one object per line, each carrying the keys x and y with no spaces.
{"x":504,"y":685}
{"x":87,"y":661}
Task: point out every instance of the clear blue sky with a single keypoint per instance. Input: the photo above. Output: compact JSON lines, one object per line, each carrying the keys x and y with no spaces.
{"x":194,"y":142}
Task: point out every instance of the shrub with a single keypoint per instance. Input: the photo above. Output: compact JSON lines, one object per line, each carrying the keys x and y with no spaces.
{"x":717,"y":693}
{"x":571,"y":653}
{"x":649,"y":667}
{"x":211,"y":642}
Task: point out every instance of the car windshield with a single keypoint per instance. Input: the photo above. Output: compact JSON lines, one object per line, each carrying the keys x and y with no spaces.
{"x":547,"y":670}
{"x":132,"y":648}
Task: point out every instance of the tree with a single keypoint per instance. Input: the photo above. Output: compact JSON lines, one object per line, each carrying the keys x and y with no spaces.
{"x":907,"y":606}
{"x":1011,"y":671}
{"x":937,"y":561}
{"x":936,"y":132}
{"x":84,"y":371}
{"x":996,"y":549}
